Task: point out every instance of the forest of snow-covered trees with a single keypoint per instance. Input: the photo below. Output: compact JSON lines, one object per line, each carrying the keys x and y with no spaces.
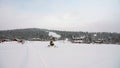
{"x":34,"y":34}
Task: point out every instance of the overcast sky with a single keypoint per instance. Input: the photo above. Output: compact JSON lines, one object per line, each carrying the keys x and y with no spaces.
{"x":75,"y":15}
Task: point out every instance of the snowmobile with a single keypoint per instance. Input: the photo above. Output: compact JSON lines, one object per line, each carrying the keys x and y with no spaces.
{"x":51,"y":44}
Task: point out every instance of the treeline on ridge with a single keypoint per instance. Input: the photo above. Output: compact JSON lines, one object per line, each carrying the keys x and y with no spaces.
{"x":42,"y":35}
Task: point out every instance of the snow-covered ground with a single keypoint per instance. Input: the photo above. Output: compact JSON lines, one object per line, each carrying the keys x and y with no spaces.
{"x":65,"y":55}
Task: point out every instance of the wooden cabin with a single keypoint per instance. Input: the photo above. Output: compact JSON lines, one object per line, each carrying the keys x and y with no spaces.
{"x":78,"y":39}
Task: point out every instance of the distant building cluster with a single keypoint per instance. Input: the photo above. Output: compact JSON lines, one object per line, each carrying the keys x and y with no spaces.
{"x":96,"y":38}
{"x":84,"y":39}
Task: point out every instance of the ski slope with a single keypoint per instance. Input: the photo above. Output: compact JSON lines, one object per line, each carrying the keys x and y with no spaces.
{"x":65,"y":55}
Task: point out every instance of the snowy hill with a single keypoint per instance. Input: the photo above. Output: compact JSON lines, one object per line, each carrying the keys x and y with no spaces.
{"x":35,"y":34}
{"x":65,"y":55}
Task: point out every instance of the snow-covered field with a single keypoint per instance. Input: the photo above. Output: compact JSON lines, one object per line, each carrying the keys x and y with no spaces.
{"x":65,"y":55}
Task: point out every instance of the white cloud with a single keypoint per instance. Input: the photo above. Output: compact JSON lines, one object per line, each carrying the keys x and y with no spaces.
{"x":86,"y":18}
